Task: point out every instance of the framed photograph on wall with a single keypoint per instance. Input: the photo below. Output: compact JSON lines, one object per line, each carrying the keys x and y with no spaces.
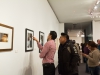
{"x":6,"y":37}
{"x":29,"y":42}
{"x":41,"y":38}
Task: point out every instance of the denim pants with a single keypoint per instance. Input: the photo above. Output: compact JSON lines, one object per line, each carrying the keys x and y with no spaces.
{"x":94,"y":70}
{"x":87,"y":68}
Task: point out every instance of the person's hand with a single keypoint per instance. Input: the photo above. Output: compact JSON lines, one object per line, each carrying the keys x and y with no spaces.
{"x":84,"y":54}
{"x":35,"y":39}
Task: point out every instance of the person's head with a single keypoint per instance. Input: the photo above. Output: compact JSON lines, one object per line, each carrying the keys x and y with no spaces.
{"x":52,"y":35}
{"x":98,"y":41}
{"x":86,"y":44}
{"x":78,"y":44}
{"x":91,"y":45}
{"x":74,"y":41}
{"x":63,"y":38}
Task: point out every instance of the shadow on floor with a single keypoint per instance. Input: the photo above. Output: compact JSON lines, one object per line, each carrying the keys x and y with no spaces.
{"x":81,"y":70}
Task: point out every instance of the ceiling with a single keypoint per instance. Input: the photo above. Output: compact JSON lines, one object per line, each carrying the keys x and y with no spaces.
{"x":72,"y":11}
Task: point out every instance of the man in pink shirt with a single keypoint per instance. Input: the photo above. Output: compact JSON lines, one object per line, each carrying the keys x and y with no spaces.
{"x":47,"y":53}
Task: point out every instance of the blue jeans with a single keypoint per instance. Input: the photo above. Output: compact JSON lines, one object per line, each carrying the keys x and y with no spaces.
{"x":94,"y":70}
{"x":87,"y":68}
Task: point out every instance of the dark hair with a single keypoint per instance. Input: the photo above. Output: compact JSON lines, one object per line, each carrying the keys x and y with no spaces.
{"x":53,"y":34}
{"x":92,"y":44}
{"x":74,"y":41}
{"x":97,"y":40}
{"x":65,"y":35}
{"x":86,"y":43}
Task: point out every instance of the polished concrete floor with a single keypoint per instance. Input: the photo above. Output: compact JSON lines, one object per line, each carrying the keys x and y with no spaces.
{"x":81,"y":70}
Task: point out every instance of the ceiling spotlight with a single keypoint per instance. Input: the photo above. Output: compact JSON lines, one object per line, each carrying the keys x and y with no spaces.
{"x":77,"y":35}
{"x":82,"y":35}
{"x":98,"y":2}
{"x":95,"y":7}
{"x":96,"y":16}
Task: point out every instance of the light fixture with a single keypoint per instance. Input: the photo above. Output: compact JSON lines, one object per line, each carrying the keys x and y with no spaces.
{"x":94,"y":13}
{"x":95,"y":7}
{"x":77,"y":35}
{"x":98,"y":2}
{"x":82,"y":35}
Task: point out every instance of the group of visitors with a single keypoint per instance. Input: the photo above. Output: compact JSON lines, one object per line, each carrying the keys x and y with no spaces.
{"x":68,"y":55}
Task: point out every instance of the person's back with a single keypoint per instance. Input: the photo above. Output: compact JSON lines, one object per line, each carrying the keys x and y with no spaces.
{"x":77,"y":48}
{"x":49,"y":57}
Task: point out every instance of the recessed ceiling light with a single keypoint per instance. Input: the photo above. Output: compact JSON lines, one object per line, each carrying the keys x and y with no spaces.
{"x":95,"y":7}
{"x":96,"y":16}
{"x":98,"y":2}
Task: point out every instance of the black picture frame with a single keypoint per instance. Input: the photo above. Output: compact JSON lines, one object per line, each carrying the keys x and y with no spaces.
{"x":29,"y":42}
{"x":41,"y":33}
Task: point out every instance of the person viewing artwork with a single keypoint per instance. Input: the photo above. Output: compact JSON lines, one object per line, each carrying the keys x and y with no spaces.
{"x":93,"y":58}
{"x":3,"y":37}
{"x":47,"y":53}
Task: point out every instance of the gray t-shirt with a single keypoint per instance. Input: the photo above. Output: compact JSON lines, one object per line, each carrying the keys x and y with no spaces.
{"x":93,"y":58}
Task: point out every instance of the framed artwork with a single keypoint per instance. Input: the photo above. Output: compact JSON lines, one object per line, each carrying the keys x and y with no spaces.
{"x":29,"y":43}
{"x":6,"y":37}
{"x":41,"y":38}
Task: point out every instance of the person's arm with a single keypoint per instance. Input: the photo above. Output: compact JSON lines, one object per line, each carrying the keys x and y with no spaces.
{"x":66,"y":60}
{"x":45,"y":49}
{"x":94,"y":58}
{"x":38,"y":43}
{"x":39,"y":46}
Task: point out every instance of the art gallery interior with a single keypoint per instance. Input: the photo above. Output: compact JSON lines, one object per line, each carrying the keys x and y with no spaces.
{"x":44,"y":16}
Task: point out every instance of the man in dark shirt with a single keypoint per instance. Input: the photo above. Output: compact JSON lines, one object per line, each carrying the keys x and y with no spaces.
{"x":67,"y":65}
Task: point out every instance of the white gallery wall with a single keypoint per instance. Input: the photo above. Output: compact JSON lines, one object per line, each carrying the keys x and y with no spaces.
{"x":36,"y":15}
{"x":61,"y":28}
{"x":96,"y":30}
